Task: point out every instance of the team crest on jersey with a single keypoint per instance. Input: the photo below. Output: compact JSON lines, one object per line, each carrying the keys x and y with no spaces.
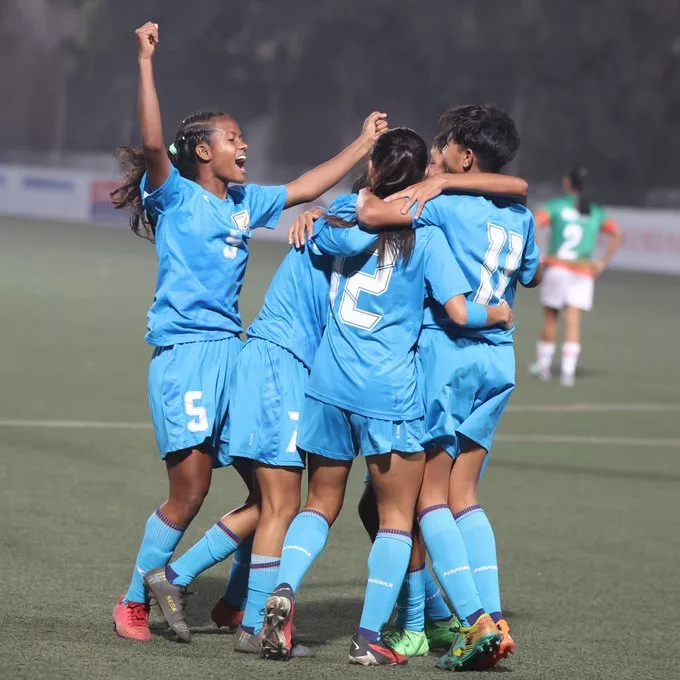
{"x":242,"y":220}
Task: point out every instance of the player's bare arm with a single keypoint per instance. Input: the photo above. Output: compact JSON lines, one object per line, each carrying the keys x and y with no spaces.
{"x":490,"y":183}
{"x":312,"y":184}
{"x":156,"y":156}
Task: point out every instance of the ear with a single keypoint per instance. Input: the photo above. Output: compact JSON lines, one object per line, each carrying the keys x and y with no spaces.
{"x":204,"y":152}
{"x":468,"y":159}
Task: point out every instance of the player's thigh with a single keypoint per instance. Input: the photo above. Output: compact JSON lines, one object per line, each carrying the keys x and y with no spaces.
{"x":267,"y":391}
{"x":396,"y":479}
{"x":555,"y":287}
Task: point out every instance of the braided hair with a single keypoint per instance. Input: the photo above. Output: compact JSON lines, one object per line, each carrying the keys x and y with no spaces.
{"x":194,"y":130}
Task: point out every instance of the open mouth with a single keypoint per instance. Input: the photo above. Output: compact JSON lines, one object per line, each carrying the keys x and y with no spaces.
{"x":241,"y":161}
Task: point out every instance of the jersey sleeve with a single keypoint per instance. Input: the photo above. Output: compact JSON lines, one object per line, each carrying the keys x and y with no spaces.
{"x":443,"y":274}
{"x":265,"y":204}
{"x":530,"y":257}
{"x":542,"y":218}
{"x":167,"y":197}
{"x":609,"y":226}
{"x":429,"y":217}
{"x":343,"y":241}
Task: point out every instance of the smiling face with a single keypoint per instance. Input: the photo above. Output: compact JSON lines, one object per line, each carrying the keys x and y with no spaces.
{"x":226,"y":152}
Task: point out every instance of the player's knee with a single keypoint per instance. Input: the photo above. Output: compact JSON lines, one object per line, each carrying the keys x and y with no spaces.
{"x":280,"y":508}
{"x":328,"y":507}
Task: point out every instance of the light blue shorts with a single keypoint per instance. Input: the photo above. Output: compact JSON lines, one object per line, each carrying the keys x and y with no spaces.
{"x":339,"y":434}
{"x":189,"y":395}
{"x":267,"y":389}
{"x":466,"y":384}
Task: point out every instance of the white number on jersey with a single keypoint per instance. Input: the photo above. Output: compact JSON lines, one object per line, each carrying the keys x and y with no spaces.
{"x":198,"y":413}
{"x":572,"y":235}
{"x":358,"y":282}
{"x":294,"y":417}
{"x":491,"y":288}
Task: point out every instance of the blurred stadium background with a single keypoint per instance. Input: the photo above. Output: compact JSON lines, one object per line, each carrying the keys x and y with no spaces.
{"x":584,"y":483}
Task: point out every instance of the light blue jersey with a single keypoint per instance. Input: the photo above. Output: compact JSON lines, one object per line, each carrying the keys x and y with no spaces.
{"x":295,"y":308}
{"x":493,"y":240}
{"x":202,"y":246}
{"x":366,"y":361}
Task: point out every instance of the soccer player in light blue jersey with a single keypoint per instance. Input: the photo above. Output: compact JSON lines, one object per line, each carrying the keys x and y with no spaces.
{"x":193,"y":204}
{"x":468,"y":374}
{"x":363,"y":394}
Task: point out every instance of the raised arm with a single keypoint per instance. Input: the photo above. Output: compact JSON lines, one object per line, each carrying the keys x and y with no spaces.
{"x":312,"y":184}
{"x":374,"y":213}
{"x":490,"y":183}
{"x":157,"y":161}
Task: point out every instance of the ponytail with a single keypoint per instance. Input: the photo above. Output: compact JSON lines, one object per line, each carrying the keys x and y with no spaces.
{"x":577,"y":178}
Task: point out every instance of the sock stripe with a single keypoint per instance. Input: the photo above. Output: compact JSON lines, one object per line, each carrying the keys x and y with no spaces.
{"x":316,"y":513}
{"x":265,"y":565}
{"x":415,"y":570}
{"x":167,"y":522}
{"x":228,"y":531}
{"x":395,"y":532}
{"x":432,"y":508}
{"x":465,"y":511}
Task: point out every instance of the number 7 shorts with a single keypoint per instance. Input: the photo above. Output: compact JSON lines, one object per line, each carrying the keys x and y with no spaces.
{"x":267,"y":390}
{"x":189,"y":395}
{"x":467,"y":384}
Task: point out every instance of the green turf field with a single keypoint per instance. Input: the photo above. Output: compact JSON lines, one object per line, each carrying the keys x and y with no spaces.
{"x":583,"y":488}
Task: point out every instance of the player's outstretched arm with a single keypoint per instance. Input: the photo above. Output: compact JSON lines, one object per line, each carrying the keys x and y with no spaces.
{"x":312,"y":184}
{"x":155,"y":154}
{"x":489,"y":183}
{"x":374,"y":213}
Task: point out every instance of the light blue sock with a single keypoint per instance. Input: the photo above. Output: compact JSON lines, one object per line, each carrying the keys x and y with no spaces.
{"x":480,"y":542}
{"x":436,"y":608}
{"x":264,"y":570}
{"x":450,"y":561}
{"x":236,"y":593}
{"x":216,"y":545}
{"x":305,"y":539}
{"x":160,"y":540}
{"x":411,"y":601}
{"x":387,"y":565}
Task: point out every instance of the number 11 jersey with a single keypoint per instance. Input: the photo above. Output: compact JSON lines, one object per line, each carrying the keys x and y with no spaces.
{"x":493,"y":241}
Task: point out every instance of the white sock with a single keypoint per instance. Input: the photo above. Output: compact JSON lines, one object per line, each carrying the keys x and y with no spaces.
{"x":545,"y":351}
{"x":570,"y":353}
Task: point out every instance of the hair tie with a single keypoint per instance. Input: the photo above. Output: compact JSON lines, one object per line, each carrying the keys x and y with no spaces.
{"x":172,"y":150}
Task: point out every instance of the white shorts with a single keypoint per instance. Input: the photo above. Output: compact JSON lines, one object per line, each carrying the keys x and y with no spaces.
{"x":562,"y":287}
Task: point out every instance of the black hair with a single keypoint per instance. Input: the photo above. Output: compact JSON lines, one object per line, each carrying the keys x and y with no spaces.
{"x":360,"y":182}
{"x":440,"y":141}
{"x":577,"y":177}
{"x":489,"y":132}
{"x":194,"y":130}
{"x":399,"y":159}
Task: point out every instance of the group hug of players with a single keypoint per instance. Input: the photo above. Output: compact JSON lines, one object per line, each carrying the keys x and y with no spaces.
{"x":387,"y":331}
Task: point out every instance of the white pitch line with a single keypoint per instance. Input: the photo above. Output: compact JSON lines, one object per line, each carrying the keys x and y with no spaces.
{"x":599,"y":408}
{"x":640,"y":442}
{"x":76,"y":424}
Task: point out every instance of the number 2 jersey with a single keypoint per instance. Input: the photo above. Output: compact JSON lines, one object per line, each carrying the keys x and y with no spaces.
{"x":573,"y":236}
{"x":202,"y":247}
{"x":493,"y":241}
{"x":366,"y":360}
